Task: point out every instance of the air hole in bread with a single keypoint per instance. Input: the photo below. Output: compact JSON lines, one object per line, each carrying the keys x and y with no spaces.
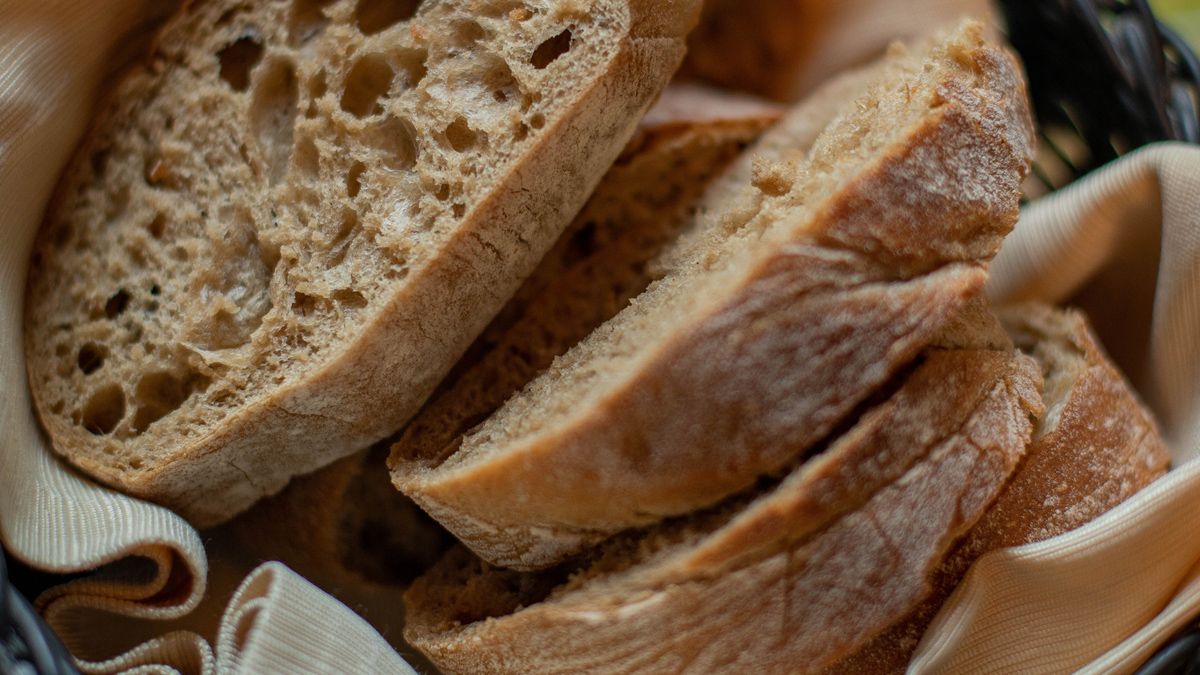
{"x":304,"y":304}
{"x":460,"y":135}
{"x":307,"y":20}
{"x":116,"y":304}
{"x":350,"y":298}
{"x":158,"y":226}
{"x":467,"y":33}
{"x":537,"y":121}
{"x":549,"y":51}
{"x":273,"y":115}
{"x":155,"y":290}
{"x":412,"y":66}
{"x":238,"y":61}
{"x":375,"y":16}
{"x":91,"y":358}
{"x":459,"y":210}
{"x":368,"y":81}
{"x":354,"y":179}
{"x":308,"y":157}
{"x":396,"y":138}
{"x":158,"y":394}
{"x":99,"y":161}
{"x":104,"y":410}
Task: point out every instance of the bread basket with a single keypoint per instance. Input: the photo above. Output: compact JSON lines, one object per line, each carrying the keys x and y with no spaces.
{"x":1140,"y":85}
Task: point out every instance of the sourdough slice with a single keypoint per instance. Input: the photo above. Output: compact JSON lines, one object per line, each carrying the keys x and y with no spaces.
{"x":778,"y":312}
{"x":346,"y":523}
{"x":1096,"y":446}
{"x":600,"y":262}
{"x":288,"y":225}
{"x":789,"y":581}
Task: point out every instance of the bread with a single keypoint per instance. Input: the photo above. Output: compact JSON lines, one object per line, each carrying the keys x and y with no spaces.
{"x":346,"y":523}
{"x":1096,"y":447}
{"x":288,"y":225}
{"x":788,"y":582}
{"x":773,"y":318}
{"x":783,"y":49}
{"x":600,"y":262}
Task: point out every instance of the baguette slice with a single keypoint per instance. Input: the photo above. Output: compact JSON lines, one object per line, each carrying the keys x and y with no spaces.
{"x":346,"y":523}
{"x":790,"y":581}
{"x":780,"y":310}
{"x":600,"y":262}
{"x":1096,"y":447}
{"x":285,"y":228}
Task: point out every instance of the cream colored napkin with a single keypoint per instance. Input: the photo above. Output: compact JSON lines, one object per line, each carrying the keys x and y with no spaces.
{"x":1124,"y":244}
{"x":1105,"y":595}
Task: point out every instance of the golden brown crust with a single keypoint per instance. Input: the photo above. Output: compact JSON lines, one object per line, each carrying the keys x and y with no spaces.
{"x":813,"y":567}
{"x":600,"y":262}
{"x":1097,"y":447}
{"x":790,"y":344}
{"x":365,"y":387}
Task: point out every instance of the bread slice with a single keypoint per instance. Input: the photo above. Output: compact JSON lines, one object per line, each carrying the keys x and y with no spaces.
{"x":290,"y":223}
{"x":777,"y":313}
{"x":346,"y":524}
{"x":600,"y":262}
{"x":1096,"y":447}
{"x":788,"y":582}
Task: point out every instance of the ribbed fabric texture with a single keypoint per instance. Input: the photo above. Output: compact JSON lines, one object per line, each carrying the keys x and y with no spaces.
{"x":1100,"y":599}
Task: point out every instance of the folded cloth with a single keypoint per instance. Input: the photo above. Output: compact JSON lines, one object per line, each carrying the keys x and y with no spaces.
{"x":1123,"y":244}
{"x":1100,"y":598}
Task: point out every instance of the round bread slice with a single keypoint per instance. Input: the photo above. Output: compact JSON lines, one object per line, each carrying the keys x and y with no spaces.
{"x":777,"y":313}
{"x":288,"y":225}
{"x":789,"y":581}
{"x":1096,"y":446}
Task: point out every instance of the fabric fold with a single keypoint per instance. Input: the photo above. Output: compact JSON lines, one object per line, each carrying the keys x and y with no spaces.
{"x":1124,"y":245}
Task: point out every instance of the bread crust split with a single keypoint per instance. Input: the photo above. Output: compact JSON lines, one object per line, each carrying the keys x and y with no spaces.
{"x":787,"y":582}
{"x":336,"y":258}
{"x":1096,"y":447}
{"x":770,"y":348}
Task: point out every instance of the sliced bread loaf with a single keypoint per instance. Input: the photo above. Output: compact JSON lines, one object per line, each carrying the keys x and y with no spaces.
{"x":288,"y":225}
{"x":778,"y":311}
{"x":346,"y":523}
{"x":1096,"y":447}
{"x":600,"y":262}
{"x":789,"y":581}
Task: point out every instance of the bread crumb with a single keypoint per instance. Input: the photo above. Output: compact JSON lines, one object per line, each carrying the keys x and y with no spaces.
{"x":773,"y":177}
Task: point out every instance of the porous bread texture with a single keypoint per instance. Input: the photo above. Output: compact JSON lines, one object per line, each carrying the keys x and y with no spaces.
{"x":788,"y":582}
{"x":287,"y":226}
{"x":600,"y":262}
{"x":1095,"y":447}
{"x":778,"y":312}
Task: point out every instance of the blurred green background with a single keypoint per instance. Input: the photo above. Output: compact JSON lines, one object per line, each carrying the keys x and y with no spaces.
{"x":1183,"y":15}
